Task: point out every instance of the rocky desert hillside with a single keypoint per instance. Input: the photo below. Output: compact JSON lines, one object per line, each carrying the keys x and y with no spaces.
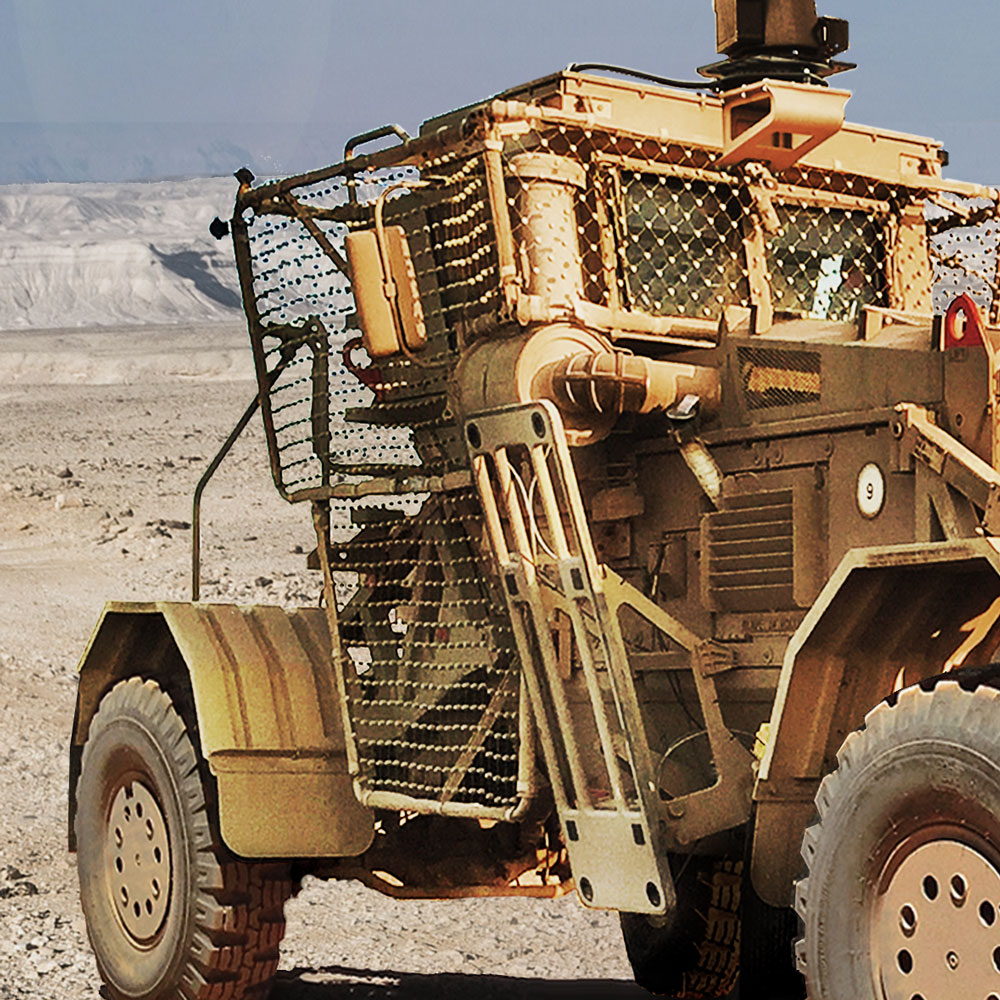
{"x":84,"y":255}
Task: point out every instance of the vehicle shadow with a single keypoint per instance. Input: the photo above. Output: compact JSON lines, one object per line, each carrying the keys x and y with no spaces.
{"x":353,"y":984}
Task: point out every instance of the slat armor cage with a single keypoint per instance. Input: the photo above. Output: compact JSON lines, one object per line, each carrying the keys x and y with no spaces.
{"x":661,"y":245}
{"x":431,"y":673}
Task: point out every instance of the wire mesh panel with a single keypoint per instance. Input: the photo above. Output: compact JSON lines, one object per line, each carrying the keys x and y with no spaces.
{"x":432,"y":676}
{"x":773,"y":377}
{"x":661,"y":232}
{"x":681,"y":247}
{"x":433,"y":693}
{"x":305,"y":332}
{"x":656,"y":231}
{"x":826,"y":263}
{"x":964,"y":237}
{"x":459,"y":234}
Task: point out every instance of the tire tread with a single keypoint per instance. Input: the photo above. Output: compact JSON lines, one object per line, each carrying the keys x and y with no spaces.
{"x":714,"y":934}
{"x":239,"y":906}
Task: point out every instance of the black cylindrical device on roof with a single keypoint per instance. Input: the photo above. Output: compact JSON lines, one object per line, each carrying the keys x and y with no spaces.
{"x":780,"y":39}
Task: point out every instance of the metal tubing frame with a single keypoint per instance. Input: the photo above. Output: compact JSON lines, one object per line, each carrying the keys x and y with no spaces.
{"x":207,"y":475}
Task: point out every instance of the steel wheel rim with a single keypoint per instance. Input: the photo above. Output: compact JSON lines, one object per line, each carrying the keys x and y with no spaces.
{"x":137,"y":862}
{"x":935,"y":930}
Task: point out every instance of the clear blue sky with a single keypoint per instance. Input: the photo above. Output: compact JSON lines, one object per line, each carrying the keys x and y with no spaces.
{"x":340,"y":67}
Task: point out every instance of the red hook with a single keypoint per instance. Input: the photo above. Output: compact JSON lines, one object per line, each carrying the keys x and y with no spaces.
{"x":368,"y":375}
{"x":970,"y":332}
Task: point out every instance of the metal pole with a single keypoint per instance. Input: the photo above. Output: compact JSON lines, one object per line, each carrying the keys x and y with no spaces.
{"x":211,"y":470}
{"x":200,"y":488}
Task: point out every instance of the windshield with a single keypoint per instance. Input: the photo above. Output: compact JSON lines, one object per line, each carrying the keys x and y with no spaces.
{"x":682,"y":252}
{"x":825,"y":263}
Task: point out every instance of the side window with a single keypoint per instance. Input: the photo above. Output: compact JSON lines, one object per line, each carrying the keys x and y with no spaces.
{"x":680,"y":246}
{"x":826,"y":263}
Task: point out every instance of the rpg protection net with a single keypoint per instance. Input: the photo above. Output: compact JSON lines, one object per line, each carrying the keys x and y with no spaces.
{"x":663,"y":236}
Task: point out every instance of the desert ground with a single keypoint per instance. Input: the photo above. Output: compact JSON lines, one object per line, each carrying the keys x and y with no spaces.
{"x":104,"y":434}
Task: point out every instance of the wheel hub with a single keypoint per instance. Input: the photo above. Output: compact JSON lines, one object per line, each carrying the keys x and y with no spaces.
{"x":936,"y":931}
{"x":138,"y":863}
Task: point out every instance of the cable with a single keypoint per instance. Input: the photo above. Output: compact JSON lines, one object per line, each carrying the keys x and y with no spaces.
{"x":640,"y":75}
{"x":532,"y":520}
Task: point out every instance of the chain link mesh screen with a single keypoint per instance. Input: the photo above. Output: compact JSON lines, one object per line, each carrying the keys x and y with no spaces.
{"x":964,"y":256}
{"x":428,"y":652}
{"x":825,"y":263}
{"x":681,"y":247}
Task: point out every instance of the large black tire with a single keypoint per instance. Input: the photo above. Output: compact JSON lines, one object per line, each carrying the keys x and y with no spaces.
{"x":694,"y":954}
{"x":908,"y":834}
{"x":170,"y":913}
{"x":767,"y":952}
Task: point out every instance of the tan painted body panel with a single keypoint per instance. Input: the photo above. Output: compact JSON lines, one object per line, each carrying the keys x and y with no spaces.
{"x":269,"y":720}
{"x":697,"y":120}
{"x":837,"y":667}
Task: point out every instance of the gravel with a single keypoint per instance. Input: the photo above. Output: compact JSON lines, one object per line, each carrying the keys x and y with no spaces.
{"x":95,"y":488}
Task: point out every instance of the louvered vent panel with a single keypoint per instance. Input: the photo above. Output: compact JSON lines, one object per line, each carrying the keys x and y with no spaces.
{"x":748,"y":553}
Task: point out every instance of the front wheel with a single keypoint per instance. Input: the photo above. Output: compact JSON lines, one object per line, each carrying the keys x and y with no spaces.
{"x":169,"y":912}
{"x":902,"y":891}
{"x":693,"y":953}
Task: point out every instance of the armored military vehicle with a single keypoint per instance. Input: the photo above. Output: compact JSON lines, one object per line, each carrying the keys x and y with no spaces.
{"x":650,"y":435}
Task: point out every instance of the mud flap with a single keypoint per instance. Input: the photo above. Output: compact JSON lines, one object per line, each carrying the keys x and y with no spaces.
{"x":268,"y":720}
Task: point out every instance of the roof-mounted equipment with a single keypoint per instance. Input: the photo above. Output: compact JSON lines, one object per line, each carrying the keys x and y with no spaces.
{"x":777,"y":40}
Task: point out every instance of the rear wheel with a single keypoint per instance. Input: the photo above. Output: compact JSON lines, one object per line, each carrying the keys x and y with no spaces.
{"x":767,"y":938}
{"x":169,"y":912}
{"x":902,"y":894}
{"x":694,"y":953}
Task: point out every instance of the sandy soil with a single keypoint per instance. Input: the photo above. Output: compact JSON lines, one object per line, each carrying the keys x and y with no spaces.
{"x":105,"y":434}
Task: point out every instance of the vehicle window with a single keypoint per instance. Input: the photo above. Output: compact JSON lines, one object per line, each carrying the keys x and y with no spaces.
{"x":681,"y":246}
{"x":826,"y":263}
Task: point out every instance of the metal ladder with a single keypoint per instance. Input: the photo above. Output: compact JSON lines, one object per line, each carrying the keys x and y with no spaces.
{"x":607,"y":801}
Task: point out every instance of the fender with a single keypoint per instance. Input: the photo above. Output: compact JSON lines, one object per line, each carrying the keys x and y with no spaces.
{"x":269,"y":717}
{"x":888,"y":618}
